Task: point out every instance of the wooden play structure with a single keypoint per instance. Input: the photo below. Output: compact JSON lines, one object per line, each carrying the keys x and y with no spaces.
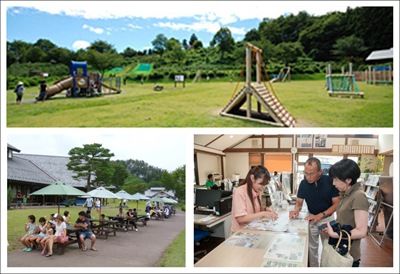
{"x":343,"y":84}
{"x":283,"y":75}
{"x":269,"y":108}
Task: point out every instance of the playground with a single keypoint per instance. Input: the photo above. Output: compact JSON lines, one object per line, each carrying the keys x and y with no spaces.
{"x":199,"y":105}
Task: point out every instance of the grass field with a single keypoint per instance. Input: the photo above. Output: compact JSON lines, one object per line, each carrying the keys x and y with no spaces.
{"x":198,"y":105}
{"x":174,"y":256}
{"x":16,"y":218}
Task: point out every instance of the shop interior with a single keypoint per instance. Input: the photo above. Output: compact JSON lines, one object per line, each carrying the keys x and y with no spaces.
{"x":226,"y":159}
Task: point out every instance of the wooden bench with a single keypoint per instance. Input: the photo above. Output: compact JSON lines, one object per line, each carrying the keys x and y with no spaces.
{"x":59,"y":248}
{"x":73,"y":237}
{"x":104,"y":229}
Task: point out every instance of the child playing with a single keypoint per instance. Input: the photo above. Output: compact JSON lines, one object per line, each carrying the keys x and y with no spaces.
{"x":30,"y":228}
{"x":49,"y":234}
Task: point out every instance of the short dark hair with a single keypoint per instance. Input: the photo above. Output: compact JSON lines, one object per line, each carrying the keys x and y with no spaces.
{"x":315,"y":160}
{"x":82,"y":213}
{"x":66,"y":213}
{"x":32,"y":217}
{"x":42,"y":220}
{"x":345,"y":169}
{"x":209,"y":176}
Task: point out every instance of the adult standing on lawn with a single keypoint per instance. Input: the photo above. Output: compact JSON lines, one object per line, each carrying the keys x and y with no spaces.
{"x":89,"y":203}
{"x":83,"y":223}
{"x":19,"y":91}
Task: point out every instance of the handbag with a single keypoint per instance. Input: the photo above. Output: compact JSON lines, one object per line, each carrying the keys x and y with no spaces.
{"x":331,"y":258}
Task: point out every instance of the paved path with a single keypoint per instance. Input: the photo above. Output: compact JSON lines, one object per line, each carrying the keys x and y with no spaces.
{"x":128,"y":249}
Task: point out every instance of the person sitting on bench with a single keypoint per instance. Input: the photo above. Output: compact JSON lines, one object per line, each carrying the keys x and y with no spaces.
{"x":132,"y":217}
{"x":85,"y":232}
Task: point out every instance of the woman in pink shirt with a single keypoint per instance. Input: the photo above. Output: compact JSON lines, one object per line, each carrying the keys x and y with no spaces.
{"x":246,"y":202}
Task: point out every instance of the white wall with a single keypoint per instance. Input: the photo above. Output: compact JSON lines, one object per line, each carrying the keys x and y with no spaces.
{"x":385,"y":143}
{"x":206,"y":164}
{"x":237,"y":163}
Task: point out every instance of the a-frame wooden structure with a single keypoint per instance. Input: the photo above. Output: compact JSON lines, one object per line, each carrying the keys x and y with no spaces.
{"x":274,"y":112}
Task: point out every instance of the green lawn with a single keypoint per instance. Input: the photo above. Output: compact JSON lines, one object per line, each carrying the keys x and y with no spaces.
{"x":16,"y":218}
{"x":198,"y":105}
{"x":174,"y":255}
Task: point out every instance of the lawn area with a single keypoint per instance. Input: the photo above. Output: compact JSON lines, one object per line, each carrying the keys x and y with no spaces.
{"x":16,"y":218}
{"x":198,"y":105}
{"x":174,"y":256}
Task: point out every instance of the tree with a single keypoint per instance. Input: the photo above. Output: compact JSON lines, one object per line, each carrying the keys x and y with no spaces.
{"x":60,"y":55}
{"x":102,"y":47}
{"x":103,"y":61}
{"x":224,"y":40}
{"x":129,"y":53}
{"x":288,"y":52}
{"x":349,"y":47}
{"x":192,"y":39}
{"x":120,"y":173}
{"x":134,"y":184}
{"x":45,"y":45}
{"x":185,"y":44}
{"x":160,"y":43}
{"x":178,"y":177}
{"x":85,"y":161}
{"x":174,"y":52}
{"x":16,"y":52}
{"x":35,"y":55}
{"x":252,"y":35}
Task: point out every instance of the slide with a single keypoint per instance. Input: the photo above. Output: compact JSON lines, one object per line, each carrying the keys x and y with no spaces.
{"x":59,"y":86}
{"x":105,"y":90}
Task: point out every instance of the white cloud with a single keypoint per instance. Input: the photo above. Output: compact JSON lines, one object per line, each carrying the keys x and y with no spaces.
{"x":211,"y":27}
{"x":93,"y":29}
{"x":80,"y":44}
{"x":132,"y":26}
{"x":223,"y":11}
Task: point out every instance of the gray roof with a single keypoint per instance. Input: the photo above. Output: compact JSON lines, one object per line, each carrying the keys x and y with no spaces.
{"x":13,"y":148}
{"x":55,"y":167}
{"x":20,"y":169}
{"x":380,"y":55}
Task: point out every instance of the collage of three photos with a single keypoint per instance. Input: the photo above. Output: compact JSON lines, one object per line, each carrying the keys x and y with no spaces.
{"x":220,"y":134}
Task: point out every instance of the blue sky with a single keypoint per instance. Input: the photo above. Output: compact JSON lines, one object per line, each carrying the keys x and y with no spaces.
{"x":135,"y":24}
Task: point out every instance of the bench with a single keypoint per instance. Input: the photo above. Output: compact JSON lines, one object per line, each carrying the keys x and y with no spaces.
{"x":59,"y":248}
{"x":142,"y":219}
{"x":104,"y":229}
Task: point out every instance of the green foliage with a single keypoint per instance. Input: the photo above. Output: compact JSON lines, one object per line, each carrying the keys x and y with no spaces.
{"x":88,"y":160}
{"x":224,"y":40}
{"x":101,"y":46}
{"x":103,"y":61}
{"x":134,"y":184}
{"x":143,"y":170}
{"x":349,"y":47}
{"x":160,"y":43}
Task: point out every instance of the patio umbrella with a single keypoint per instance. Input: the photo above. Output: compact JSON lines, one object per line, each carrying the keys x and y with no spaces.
{"x":138,"y":197}
{"x":168,"y":200}
{"x":102,"y":193}
{"x":59,"y":189}
{"x":122,"y":194}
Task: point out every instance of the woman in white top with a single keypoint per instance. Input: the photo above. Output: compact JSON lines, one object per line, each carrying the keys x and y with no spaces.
{"x":60,"y":236}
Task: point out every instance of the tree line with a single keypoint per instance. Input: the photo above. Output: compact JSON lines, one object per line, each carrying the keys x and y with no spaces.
{"x":93,"y":163}
{"x":302,"y":41}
